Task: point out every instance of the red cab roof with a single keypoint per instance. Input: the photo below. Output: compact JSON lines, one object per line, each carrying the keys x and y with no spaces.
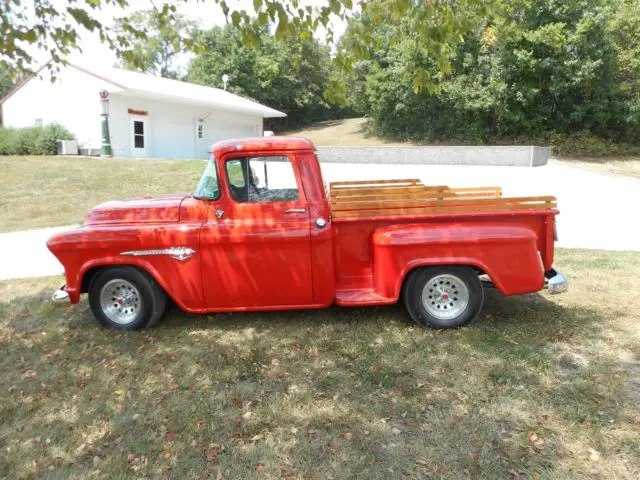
{"x":261,"y":143}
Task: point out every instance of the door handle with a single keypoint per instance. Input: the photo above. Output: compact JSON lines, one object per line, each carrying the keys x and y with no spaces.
{"x":295,"y":210}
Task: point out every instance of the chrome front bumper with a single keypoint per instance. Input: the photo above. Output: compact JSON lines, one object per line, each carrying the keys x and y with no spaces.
{"x":556,"y":282}
{"x":60,"y":296}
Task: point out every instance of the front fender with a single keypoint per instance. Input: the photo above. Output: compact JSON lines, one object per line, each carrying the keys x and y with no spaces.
{"x":507,"y":253}
{"x":82,"y":249}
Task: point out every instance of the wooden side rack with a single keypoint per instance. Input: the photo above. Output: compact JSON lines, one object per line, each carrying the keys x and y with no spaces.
{"x":412,"y":197}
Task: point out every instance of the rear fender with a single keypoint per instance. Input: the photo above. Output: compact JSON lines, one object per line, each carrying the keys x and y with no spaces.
{"x":507,"y":253}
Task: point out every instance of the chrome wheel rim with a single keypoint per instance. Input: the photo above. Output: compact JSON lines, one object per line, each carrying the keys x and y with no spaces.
{"x":445,"y":296}
{"x":120,"y":301}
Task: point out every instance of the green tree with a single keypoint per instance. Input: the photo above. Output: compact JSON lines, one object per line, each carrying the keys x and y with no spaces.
{"x":54,"y":27}
{"x":528,"y":71}
{"x":6,"y":82}
{"x":290,"y":76}
{"x":625,"y":29}
{"x":155,"y":41}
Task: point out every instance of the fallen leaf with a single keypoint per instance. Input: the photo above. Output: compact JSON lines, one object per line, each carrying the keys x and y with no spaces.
{"x":473,"y":455}
{"x":246,"y":415}
{"x":260,"y":467}
{"x":166,"y":454}
{"x":533,"y":437}
{"x":169,"y":437}
{"x":211,"y":454}
{"x":594,"y":455}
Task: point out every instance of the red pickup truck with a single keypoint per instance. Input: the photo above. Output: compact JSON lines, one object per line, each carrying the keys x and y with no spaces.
{"x":262,"y":232}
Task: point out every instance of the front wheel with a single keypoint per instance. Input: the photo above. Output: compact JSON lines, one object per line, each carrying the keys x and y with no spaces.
{"x":444,"y":297}
{"x":126,"y":298}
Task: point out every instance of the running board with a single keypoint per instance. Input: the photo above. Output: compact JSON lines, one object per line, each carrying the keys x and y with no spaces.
{"x":355,"y":298}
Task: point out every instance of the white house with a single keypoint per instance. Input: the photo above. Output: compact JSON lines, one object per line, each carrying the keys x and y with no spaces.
{"x":148,"y":116}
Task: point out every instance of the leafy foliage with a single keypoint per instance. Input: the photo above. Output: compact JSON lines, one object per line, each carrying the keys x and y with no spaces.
{"x":290,"y":76}
{"x":32,"y":140}
{"x":54,"y":28}
{"x":155,"y":41}
{"x":530,"y":71}
{"x":6,"y":82}
{"x":625,"y":30}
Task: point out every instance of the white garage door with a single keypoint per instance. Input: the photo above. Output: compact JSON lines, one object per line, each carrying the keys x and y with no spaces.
{"x":173,"y":136}
{"x":214,"y":131}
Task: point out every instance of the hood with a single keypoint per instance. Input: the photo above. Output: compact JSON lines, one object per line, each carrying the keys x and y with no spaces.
{"x":162,"y":209}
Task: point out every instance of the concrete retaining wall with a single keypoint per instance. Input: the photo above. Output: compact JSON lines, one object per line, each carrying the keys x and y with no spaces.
{"x":527,"y":156}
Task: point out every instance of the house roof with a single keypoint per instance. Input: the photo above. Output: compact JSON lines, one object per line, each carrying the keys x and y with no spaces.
{"x":175,"y":89}
{"x":150,"y":85}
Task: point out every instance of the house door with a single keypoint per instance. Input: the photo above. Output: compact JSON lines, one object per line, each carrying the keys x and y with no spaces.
{"x":139,"y":136}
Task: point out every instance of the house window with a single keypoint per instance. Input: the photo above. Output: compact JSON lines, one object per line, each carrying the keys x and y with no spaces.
{"x":200,"y":130}
{"x":138,"y":134}
{"x":37,"y":122}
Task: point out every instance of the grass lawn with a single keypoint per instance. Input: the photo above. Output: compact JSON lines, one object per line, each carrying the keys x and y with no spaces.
{"x":629,"y":166}
{"x":540,"y":387}
{"x":38,"y":192}
{"x":347,"y":132}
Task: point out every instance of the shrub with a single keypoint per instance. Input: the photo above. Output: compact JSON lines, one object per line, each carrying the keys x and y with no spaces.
{"x":588,"y":145}
{"x":32,"y":140}
{"x":4,"y":140}
{"x":22,"y":141}
{"x":45,"y":144}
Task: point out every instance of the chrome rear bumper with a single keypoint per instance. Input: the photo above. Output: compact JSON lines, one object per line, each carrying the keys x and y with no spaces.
{"x":556,"y":282}
{"x":60,"y":296}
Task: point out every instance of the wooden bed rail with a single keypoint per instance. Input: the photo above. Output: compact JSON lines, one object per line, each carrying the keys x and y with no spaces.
{"x":411,"y":197}
{"x":369,"y":183}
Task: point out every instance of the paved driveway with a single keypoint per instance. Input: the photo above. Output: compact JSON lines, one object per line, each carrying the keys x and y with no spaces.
{"x":598,"y":210}
{"x":25,"y":254}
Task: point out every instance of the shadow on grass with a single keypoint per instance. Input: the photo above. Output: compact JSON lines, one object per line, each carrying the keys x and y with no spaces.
{"x":338,"y":392}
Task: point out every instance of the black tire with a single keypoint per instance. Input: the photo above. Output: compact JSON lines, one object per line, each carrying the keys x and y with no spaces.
{"x":420,"y":279}
{"x":152,"y":299}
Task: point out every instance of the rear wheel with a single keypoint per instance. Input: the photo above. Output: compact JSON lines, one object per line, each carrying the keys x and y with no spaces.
{"x":126,"y":298}
{"x":444,"y":297}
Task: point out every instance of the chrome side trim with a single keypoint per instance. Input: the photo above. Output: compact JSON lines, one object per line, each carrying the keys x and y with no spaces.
{"x":179,"y":253}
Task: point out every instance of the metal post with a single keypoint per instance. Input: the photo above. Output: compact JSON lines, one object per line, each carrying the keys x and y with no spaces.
{"x":105,"y":149}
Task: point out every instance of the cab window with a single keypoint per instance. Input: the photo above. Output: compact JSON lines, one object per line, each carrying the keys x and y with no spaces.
{"x":262,"y":179}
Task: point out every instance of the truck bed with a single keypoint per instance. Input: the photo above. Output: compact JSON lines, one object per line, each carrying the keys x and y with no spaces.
{"x":411,"y":197}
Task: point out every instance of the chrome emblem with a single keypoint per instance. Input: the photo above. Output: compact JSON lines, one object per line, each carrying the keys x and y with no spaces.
{"x":179,"y":253}
{"x":219,"y":213}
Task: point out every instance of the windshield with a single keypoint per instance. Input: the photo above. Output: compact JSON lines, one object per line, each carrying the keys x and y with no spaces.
{"x":208,"y":185}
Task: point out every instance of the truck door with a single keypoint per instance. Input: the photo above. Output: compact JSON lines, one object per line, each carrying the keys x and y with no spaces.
{"x":257,"y":246}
